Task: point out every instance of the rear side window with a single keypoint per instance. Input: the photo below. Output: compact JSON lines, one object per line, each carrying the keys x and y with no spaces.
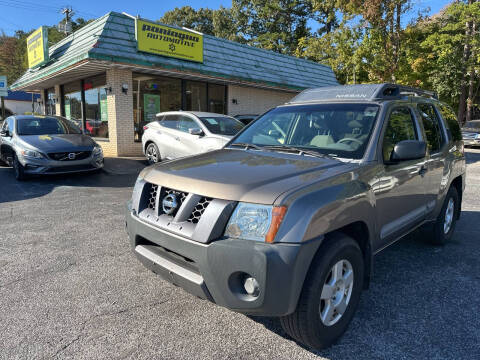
{"x":431,"y":124}
{"x":400,"y":127}
{"x":451,"y":121}
{"x":170,"y":121}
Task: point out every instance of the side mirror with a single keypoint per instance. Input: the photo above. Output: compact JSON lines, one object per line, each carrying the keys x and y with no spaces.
{"x":195,"y":131}
{"x":408,"y":150}
{"x":5,"y":133}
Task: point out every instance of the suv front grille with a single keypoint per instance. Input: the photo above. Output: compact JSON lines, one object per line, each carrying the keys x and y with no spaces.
{"x":153,"y":201}
{"x":152,"y":197}
{"x":70,"y":156}
{"x":199,"y":210}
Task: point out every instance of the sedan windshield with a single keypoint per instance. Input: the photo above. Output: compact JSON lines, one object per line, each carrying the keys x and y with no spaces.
{"x":46,"y":126}
{"x":340,"y":130}
{"x":222,"y":125}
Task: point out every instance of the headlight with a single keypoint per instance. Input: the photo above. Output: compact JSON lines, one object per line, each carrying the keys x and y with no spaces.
{"x":97,"y":150}
{"x":255,"y":222}
{"x":32,"y":154}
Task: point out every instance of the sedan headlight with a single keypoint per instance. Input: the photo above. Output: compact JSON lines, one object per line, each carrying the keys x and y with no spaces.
{"x":31,"y":154}
{"x":97,"y":151}
{"x":255,"y":222}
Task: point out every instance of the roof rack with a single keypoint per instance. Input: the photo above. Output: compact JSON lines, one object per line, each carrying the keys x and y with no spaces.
{"x":388,"y":91}
{"x":360,"y":92}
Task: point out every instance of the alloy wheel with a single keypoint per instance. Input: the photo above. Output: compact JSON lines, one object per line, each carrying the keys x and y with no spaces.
{"x":152,"y":154}
{"x":336,"y":292}
{"x":449,"y":213}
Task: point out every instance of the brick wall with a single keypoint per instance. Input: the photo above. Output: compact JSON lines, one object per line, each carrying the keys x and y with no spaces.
{"x":254,"y":101}
{"x":120,"y":116}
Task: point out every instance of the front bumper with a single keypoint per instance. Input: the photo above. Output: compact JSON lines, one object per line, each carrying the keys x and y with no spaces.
{"x":215,"y":271}
{"x":47,"y":166}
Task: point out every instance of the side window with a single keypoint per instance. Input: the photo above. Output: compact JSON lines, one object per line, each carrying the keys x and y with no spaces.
{"x":451,"y":121}
{"x":186,"y":123}
{"x":10,"y":126}
{"x":401,"y":126}
{"x":431,"y":124}
{"x":170,"y":121}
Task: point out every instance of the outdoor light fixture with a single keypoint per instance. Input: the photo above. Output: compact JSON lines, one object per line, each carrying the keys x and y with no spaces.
{"x":234,"y":101}
{"x":125,"y":88}
{"x":108,"y":89}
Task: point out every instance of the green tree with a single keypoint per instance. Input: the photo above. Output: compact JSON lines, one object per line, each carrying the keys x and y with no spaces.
{"x":276,"y":25}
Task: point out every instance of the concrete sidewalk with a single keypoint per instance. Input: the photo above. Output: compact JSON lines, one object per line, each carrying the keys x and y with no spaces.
{"x":124,"y":165}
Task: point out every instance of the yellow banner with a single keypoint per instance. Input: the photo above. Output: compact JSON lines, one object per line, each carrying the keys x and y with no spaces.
{"x":168,"y":41}
{"x":37,"y":47}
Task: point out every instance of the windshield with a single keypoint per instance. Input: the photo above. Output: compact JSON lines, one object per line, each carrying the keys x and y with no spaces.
{"x":46,"y":126}
{"x":341,"y":130}
{"x":222,"y":125}
{"x":473,"y":124}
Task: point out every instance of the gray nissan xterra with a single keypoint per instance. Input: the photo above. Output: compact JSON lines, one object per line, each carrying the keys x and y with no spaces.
{"x":285,"y":220}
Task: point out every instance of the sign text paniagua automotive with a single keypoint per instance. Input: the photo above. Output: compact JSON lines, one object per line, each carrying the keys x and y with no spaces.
{"x":168,"y":41}
{"x":37,"y":47}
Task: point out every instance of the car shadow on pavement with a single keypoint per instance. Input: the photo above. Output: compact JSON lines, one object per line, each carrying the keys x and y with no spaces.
{"x":423,"y":301}
{"x":34,"y":187}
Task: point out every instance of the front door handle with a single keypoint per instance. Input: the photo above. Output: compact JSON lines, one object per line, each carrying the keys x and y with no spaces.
{"x":422,"y":171}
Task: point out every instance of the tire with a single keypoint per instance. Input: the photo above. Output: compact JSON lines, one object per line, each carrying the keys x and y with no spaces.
{"x":442,"y":233}
{"x":305,"y":324}
{"x":18,"y":169}
{"x":152,"y":153}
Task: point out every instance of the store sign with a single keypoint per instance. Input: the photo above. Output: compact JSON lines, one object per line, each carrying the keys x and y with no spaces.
{"x":37,"y":47}
{"x":3,"y":86}
{"x":168,"y":41}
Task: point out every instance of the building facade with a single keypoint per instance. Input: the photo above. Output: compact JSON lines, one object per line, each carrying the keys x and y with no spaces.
{"x":105,"y":80}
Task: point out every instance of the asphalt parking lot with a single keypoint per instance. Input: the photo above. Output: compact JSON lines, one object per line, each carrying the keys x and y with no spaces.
{"x":71,"y":288}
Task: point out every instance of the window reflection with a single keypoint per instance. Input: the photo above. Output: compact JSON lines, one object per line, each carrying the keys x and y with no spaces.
{"x":96,"y":108}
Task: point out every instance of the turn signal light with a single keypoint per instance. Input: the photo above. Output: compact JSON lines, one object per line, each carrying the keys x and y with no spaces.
{"x":278,"y":213}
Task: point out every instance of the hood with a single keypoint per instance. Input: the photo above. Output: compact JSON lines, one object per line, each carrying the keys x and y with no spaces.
{"x":59,"y":143}
{"x":243,"y":175}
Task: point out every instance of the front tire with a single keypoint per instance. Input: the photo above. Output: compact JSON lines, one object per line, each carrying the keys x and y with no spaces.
{"x":330,"y":294}
{"x":152,"y":153}
{"x":18,"y":169}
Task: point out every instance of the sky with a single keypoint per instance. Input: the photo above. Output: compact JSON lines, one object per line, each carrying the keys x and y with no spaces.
{"x":29,"y":14}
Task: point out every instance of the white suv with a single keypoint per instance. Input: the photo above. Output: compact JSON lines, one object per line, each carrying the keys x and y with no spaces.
{"x":181,"y":133}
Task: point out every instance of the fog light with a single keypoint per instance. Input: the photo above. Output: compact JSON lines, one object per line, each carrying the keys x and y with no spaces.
{"x":251,"y":286}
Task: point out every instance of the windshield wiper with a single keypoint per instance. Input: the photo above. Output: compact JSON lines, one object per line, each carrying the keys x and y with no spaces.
{"x":298,"y":150}
{"x":246,"y":146}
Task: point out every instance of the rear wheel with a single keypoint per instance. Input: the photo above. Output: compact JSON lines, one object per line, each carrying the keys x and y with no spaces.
{"x":444,"y":226}
{"x":330,"y":294}
{"x":152,"y":153}
{"x":18,"y":169}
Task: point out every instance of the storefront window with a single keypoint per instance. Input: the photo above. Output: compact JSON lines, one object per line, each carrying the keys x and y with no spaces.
{"x":196,"y":96}
{"x":50,"y":102}
{"x":216,"y":98}
{"x":73,"y":102}
{"x":151,"y":95}
{"x":96,"y":109}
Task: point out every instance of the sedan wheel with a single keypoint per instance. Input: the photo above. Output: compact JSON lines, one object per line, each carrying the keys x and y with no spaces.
{"x":152,"y":154}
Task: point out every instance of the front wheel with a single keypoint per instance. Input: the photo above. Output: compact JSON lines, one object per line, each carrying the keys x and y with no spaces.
{"x":330,"y":294}
{"x":18,"y":169}
{"x":152,"y":153}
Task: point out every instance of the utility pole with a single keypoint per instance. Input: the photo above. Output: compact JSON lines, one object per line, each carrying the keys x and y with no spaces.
{"x":68,"y":12}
